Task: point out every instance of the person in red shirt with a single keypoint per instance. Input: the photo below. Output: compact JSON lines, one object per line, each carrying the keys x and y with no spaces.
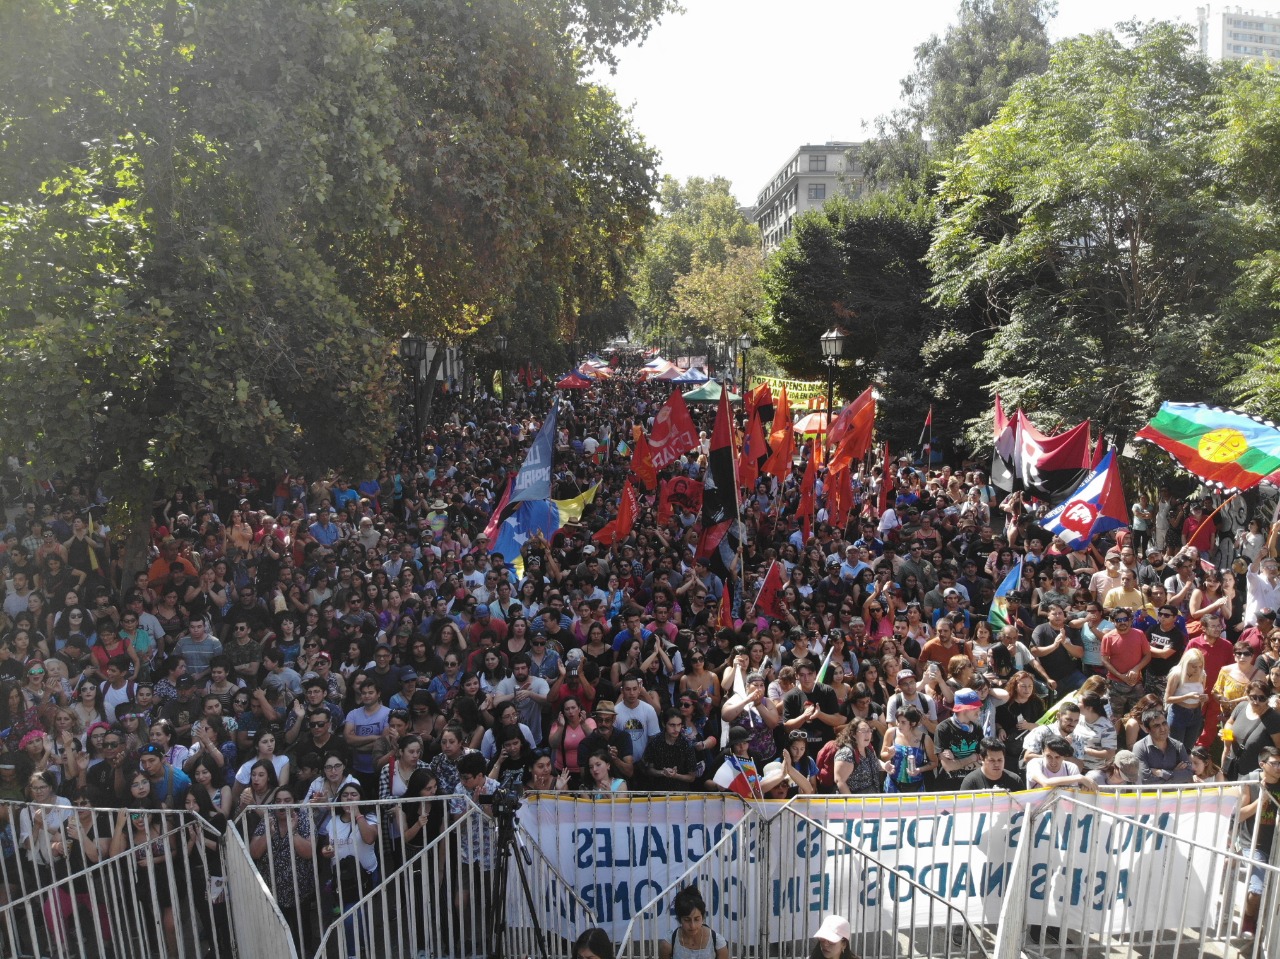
{"x":1125,"y":654}
{"x":1198,"y":531}
{"x":1218,"y":654}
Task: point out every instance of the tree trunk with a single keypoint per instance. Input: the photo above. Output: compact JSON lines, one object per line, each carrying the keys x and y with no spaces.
{"x":430,"y":386}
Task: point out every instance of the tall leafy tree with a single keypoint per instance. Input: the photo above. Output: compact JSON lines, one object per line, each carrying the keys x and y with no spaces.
{"x":171,"y":176}
{"x":961,"y":79}
{"x":698,"y":227}
{"x":858,"y":265}
{"x":1089,"y":216}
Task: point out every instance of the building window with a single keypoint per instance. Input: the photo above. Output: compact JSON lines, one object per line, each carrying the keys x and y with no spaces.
{"x":817,"y":191}
{"x":818,"y":163}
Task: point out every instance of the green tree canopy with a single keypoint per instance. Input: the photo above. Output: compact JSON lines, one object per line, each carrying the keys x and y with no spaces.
{"x":212,"y":214}
{"x":960,"y":81}
{"x":859,"y":265}
{"x":1092,"y":219}
{"x":699,"y":226}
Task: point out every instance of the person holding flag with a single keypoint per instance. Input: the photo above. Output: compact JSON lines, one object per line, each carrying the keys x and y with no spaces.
{"x":738,"y":772}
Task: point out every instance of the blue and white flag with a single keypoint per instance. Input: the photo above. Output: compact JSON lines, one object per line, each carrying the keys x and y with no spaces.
{"x":532,"y":518}
{"x":533,"y":482}
{"x":1097,"y":506}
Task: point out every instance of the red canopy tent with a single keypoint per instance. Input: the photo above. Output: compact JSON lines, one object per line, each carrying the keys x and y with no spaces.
{"x":574,"y":381}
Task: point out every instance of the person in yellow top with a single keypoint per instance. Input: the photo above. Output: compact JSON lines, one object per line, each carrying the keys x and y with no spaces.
{"x":1127,"y":595}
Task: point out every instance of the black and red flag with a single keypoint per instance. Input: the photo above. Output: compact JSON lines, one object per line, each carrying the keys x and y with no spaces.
{"x":1050,"y":467}
{"x":721,"y":519}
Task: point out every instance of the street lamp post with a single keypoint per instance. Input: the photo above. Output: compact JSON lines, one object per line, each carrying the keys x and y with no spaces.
{"x":744,"y":344}
{"x":501,"y":342}
{"x":414,"y":349}
{"x":832,"y":343}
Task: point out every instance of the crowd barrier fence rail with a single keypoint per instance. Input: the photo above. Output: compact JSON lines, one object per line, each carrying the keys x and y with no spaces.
{"x":1057,"y":873}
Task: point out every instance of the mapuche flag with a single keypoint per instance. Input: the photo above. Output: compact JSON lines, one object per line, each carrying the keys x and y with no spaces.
{"x":1224,"y":448}
{"x":721,"y":520}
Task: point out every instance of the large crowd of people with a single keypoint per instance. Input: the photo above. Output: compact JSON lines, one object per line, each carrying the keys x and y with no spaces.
{"x":348,"y":639}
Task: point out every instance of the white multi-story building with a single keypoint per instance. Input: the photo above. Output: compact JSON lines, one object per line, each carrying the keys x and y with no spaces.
{"x":810,"y":176}
{"x":1230,"y":33}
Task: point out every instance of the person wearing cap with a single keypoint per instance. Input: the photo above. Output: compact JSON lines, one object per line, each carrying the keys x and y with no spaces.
{"x":1122,"y":770}
{"x":408,"y":686}
{"x":957,"y":738}
{"x":831,"y":941}
{"x":607,"y":738}
{"x":991,"y":772}
{"x":1107,"y":578}
{"x":168,"y":784}
{"x":909,"y":694}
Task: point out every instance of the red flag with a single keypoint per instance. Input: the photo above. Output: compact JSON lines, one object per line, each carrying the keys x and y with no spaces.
{"x":769,"y":598}
{"x":1001,"y":421}
{"x":491,"y":528}
{"x":642,"y":460}
{"x":839,"y":494}
{"x":673,"y":433}
{"x":856,"y":440}
{"x":1099,"y":451}
{"x":724,"y":615}
{"x":851,"y":415}
{"x":805,"y":509}
{"x":619,"y":528}
{"x":887,"y":482}
{"x":754,"y":453}
{"x":678,"y":491}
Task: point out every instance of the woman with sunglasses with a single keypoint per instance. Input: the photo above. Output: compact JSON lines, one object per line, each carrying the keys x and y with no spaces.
{"x":702,"y":683}
{"x":39,"y":688}
{"x":1231,"y":688}
{"x":1253,"y":725}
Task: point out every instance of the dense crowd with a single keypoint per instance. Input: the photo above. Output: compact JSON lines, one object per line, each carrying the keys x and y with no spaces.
{"x":344,"y":639}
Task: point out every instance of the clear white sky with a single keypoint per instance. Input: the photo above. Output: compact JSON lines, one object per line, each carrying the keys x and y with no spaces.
{"x":732,"y":87}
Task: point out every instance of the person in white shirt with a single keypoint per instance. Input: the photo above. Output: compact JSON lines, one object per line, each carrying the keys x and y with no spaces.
{"x":1263,"y":579}
{"x":636,"y":717}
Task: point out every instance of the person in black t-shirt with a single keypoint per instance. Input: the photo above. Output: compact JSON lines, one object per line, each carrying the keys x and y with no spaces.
{"x":811,"y":706}
{"x":958,"y":738}
{"x":1168,"y":641}
{"x":991,"y":774}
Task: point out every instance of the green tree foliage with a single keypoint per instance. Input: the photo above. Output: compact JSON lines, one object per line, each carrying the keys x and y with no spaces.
{"x":515,"y":172}
{"x":169,"y":173}
{"x":723,"y":299}
{"x":700,"y":224}
{"x":960,"y":81}
{"x":1092,"y":220}
{"x":1248,"y":148}
{"x":858,"y":265}
{"x":211,"y":214}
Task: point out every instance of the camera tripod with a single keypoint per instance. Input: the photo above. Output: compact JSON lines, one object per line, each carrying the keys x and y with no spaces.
{"x":509,"y":843}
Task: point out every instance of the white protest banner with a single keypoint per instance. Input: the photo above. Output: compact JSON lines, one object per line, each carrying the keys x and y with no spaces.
{"x":901,"y":859}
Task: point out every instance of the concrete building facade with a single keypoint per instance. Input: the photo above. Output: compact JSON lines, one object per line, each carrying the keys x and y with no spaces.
{"x":811,"y":175}
{"x":1230,"y":33}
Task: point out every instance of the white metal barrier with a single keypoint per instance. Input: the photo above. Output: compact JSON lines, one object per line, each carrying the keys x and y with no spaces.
{"x":435,"y":896}
{"x":111,"y":882}
{"x":257,"y":925}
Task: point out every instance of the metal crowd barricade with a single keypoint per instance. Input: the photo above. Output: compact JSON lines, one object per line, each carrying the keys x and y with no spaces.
{"x":728,"y":877}
{"x":434,"y":900}
{"x":118,"y":906}
{"x":258,"y":926}
{"x":891,"y":910}
{"x":1085,"y":894}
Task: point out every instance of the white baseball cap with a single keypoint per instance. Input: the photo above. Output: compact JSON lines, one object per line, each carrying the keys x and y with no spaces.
{"x":833,"y":929}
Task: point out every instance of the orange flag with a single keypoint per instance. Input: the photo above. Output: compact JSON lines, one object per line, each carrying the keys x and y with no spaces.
{"x":852,"y":415}
{"x":753,"y":453}
{"x":782,"y":440}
